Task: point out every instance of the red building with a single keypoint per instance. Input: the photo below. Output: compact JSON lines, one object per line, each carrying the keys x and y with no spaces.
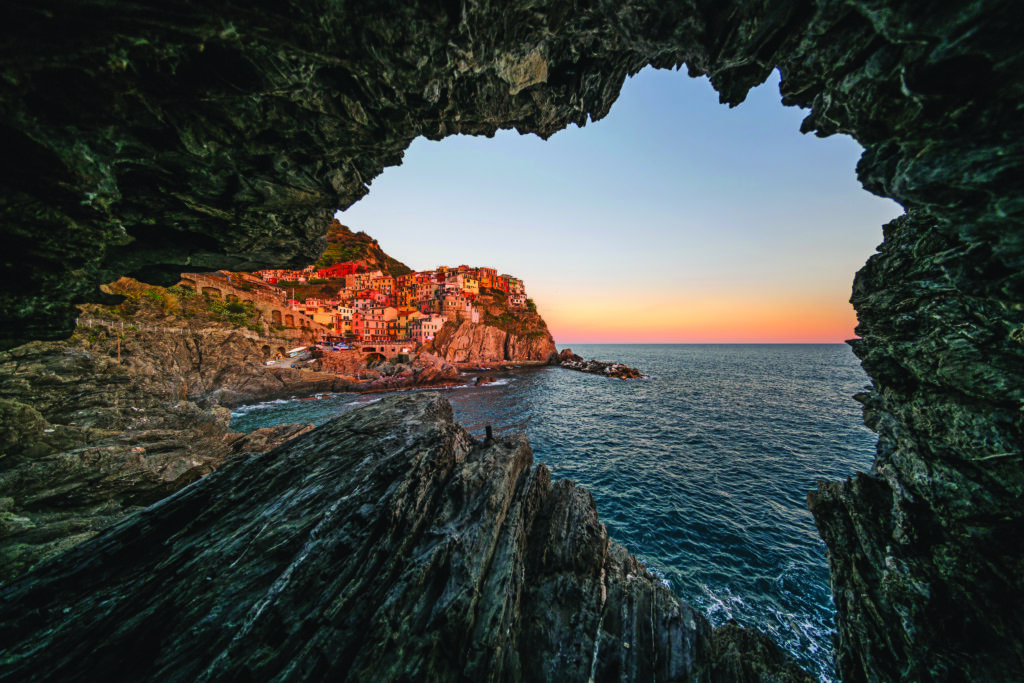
{"x":337,"y":271}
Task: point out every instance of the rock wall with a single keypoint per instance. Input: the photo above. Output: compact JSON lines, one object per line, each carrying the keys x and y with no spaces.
{"x":926,"y":551}
{"x":478,"y":344}
{"x":146,"y":141}
{"x":386,"y":545}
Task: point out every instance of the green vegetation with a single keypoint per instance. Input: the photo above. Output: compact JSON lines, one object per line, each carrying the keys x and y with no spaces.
{"x":336,"y":253}
{"x":322,"y":289}
{"x":518,"y":322}
{"x":166,"y":299}
{"x":236,"y":313}
{"x":343,"y":246}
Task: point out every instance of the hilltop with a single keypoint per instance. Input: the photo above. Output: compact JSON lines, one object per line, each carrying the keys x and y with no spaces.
{"x":345,"y":246}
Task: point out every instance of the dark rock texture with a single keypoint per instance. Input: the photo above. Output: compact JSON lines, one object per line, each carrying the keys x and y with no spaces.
{"x":386,"y":545}
{"x":571,"y":361}
{"x":112,"y":420}
{"x":927,"y":552}
{"x":145,"y":138}
{"x":85,"y":441}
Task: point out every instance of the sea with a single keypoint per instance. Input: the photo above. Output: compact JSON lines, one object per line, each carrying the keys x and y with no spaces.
{"x":701,"y":470}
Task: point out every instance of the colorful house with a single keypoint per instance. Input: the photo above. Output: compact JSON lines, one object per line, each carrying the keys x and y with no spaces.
{"x":424,"y":329}
{"x":486,"y":277}
{"x":337,"y":271}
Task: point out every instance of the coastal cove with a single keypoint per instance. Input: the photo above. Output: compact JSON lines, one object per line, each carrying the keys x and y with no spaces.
{"x":701,"y":470}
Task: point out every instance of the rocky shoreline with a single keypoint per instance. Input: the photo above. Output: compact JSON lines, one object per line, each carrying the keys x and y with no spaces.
{"x":569,"y":360}
{"x":94,"y":429}
{"x":387,"y":543}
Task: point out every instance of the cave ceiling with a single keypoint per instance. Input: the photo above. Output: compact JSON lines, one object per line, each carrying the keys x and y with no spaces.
{"x":149,"y":138}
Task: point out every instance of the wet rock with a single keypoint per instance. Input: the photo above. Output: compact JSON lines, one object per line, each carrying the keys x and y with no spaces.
{"x":569,"y":360}
{"x":744,"y":655}
{"x":383,"y":545}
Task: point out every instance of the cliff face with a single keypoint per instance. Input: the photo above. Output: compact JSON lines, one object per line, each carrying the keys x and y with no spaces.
{"x":85,"y":441}
{"x":503,"y":335}
{"x":385,"y":545}
{"x":116,"y":418}
{"x":475,"y":344}
{"x":926,"y":551}
{"x":158,"y":142}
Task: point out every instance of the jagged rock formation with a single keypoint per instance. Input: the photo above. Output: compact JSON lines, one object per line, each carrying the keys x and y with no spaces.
{"x":926,"y":552}
{"x":423,"y":370}
{"x":504,"y":335}
{"x":157,"y":141}
{"x":571,"y":361}
{"x":112,"y":420}
{"x":386,"y":545}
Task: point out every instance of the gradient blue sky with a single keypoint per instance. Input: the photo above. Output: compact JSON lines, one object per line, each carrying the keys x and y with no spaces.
{"x":673,"y":219}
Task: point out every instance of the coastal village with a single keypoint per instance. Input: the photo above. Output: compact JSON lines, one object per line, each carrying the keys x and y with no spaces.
{"x":374,"y":307}
{"x":358,"y":307}
{"x":368,"y":305}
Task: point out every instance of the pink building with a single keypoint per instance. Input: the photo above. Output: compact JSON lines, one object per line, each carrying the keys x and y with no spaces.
{"x":422,"y":330}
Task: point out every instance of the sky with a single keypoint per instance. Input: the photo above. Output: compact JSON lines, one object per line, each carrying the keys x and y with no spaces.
{"x":674,"y":219}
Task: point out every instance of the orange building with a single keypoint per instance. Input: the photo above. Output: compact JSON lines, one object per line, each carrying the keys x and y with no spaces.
{"x":486,"y":277}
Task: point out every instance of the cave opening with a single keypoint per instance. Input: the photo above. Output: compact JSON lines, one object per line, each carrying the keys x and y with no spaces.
{"x":676,"y":220}
{"x":302,"y":109}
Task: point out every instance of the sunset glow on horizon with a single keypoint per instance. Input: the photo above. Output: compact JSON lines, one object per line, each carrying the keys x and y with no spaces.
{"x":672,"y":220}
{"x":707,"y":320}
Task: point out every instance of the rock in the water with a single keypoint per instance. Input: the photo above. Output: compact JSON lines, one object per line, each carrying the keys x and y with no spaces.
{"x":569,"y":360}
{"x":386,"y":545}
{"x":741,"y":655}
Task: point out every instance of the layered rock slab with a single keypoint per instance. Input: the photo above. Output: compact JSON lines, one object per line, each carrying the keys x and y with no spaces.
{"x":91,"y":431}
{"x":386,"y":545}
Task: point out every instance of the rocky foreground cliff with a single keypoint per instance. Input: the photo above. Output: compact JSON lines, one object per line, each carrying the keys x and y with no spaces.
{"x":94,"y":428}
{"x":386,"y":545}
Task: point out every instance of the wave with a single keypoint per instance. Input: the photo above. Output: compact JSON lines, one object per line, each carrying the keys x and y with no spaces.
{"x":246,"y":409}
